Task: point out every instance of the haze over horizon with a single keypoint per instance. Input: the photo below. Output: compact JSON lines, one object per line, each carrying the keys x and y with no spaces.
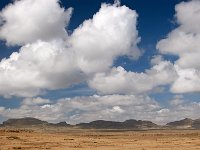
{"x":80,"y":61}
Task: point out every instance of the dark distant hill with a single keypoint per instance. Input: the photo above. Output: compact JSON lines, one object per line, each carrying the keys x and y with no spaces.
{"x":28,"y":122}
{"x":102,"y":124}
{"x":196,"y":124}
{"x":140,"y":124}
{"x":185,"y":123}
{"x":60,"y":124}
{"x":128,"y":124}
{"x":24,"y":122}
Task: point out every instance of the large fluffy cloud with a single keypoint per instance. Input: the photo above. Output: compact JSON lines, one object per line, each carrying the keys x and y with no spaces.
{"x":118,"y":80}
{"x":184,"y":42}
{"x":36,"y":67}
{"x":26,"y":21}
{"x":111,"y":33}
{"x":188,"y":81}
{"x":52,"y":60}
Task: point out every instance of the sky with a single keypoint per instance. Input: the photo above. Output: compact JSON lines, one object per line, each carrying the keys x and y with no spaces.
{"x":80,"y":61}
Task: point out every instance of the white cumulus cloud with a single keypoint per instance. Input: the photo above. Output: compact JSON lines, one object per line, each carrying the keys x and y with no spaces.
{"x":36,"y":67}
{"x":184,"y":42}
{"x":111,"y":33}
{"x":61,"y":60}
{"x":118,"y":80}
{"x":27,"y":21}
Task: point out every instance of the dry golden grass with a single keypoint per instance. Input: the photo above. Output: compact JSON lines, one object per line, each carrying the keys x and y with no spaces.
{"x":75,"y":139}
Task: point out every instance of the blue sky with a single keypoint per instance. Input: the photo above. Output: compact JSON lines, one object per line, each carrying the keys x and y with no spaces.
{"x":152,"y":64}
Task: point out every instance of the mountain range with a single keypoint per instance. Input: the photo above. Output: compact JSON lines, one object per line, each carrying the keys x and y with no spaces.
{"x":31,"y":122}
{"x":186,"y":123}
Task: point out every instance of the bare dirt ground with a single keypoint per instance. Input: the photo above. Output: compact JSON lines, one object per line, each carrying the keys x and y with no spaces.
{"x":75,"y":139}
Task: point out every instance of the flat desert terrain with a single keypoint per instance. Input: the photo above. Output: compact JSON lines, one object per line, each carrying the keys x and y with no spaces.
{"x":79,"y":139}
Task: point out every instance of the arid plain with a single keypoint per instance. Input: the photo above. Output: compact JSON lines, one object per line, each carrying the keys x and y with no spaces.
{"x":64,"y":139}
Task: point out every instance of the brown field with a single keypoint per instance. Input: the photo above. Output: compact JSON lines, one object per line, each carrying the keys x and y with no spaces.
{"x":77,"y":139}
